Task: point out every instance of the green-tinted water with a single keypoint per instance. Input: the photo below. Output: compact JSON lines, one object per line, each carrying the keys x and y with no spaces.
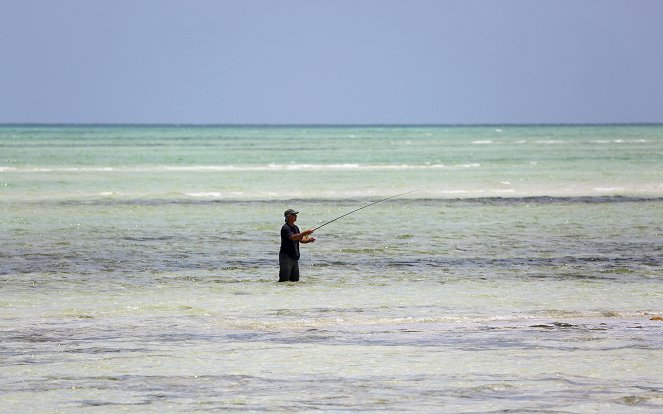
{"x":139,"y":265}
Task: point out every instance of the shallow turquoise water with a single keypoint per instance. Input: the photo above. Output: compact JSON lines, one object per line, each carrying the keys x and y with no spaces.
{"x":138,"y":269}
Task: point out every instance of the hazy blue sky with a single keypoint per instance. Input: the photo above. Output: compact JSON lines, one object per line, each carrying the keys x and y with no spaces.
{"x":341,"y":61}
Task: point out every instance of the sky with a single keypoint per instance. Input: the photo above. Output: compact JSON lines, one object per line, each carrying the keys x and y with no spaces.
{"x":331,"y":62}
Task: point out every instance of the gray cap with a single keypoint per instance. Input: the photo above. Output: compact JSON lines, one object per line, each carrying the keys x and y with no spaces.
{"x":289,"y":212}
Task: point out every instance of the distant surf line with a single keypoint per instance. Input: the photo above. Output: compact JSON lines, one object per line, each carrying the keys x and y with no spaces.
{"x":239,"y":168}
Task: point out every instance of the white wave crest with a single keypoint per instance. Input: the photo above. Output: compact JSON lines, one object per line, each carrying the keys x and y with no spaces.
{"x":240,"y":168}
{"x":213,"y":194}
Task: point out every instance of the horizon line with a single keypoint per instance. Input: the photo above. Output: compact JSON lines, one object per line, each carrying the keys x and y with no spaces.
{"x":277,"y":125}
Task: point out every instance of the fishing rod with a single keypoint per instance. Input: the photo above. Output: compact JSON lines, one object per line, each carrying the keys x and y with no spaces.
{"x":367,"y":205}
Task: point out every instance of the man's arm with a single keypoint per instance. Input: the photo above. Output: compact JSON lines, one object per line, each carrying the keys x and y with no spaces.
{"x":300,"y":236}
{"x":307,"y":240}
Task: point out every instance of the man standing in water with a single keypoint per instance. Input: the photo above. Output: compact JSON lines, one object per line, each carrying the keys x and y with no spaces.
{"x":289,"y":253}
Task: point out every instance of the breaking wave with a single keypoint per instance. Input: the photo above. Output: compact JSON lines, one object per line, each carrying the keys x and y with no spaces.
{"x":241,"y":168}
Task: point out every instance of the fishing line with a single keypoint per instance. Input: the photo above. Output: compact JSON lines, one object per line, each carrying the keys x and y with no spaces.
{"x":310,"y":269}
{"x":367,"y":205}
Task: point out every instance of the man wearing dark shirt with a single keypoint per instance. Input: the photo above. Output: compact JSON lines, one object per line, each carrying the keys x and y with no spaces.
{"x":289,"y":253}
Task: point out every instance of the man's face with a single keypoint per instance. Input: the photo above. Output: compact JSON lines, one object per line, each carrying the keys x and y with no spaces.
{"x":292,"y":218}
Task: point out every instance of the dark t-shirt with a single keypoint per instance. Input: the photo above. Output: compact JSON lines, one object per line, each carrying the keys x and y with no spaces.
{"x":289,"y":247}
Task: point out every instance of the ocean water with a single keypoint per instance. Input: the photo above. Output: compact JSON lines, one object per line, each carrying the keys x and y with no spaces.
{"x":138,"y":269}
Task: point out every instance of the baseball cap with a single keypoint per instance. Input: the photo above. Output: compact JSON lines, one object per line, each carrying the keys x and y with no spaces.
{"x":289,"y":212}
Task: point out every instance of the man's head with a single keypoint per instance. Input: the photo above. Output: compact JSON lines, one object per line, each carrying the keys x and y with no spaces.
{"x":290,"y":215}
